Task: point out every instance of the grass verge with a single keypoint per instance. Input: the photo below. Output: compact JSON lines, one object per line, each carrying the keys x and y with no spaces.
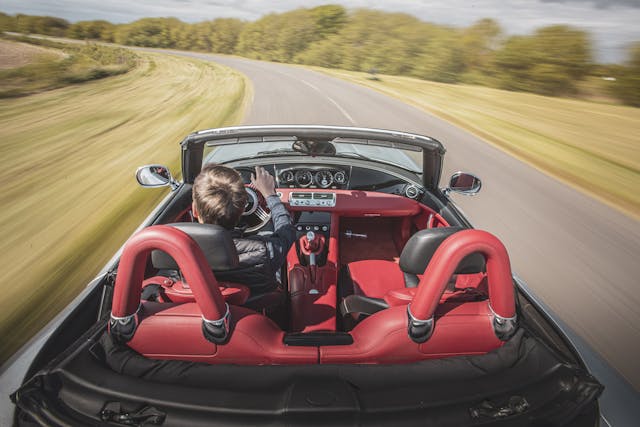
{"x":69,"y":155}
{"x":591,"y":146}
{"x":75,"y":63}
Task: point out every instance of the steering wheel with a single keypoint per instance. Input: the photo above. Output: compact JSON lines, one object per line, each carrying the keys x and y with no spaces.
{"x":256,"y":213}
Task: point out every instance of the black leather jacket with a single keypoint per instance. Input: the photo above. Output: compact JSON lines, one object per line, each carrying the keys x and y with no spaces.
{"x":262,"y":256}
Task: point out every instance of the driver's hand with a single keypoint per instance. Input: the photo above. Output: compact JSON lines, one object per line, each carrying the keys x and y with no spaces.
{"x":263,"y":182}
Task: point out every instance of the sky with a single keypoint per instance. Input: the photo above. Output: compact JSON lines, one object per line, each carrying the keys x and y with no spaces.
{"x":613,"y":24}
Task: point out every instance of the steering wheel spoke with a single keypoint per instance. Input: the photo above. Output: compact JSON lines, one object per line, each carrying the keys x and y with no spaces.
{"x":262,"y":214}
{"x":255,"y":213}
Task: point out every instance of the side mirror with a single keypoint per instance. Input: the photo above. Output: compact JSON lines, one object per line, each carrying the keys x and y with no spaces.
{"x":152,"y":176}
{"x":464,"y":183}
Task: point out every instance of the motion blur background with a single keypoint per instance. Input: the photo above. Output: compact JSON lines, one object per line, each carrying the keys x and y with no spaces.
{"x":555,"y":83}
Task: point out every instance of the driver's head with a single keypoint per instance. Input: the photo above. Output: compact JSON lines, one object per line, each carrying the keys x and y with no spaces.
{"x":219,"y":196}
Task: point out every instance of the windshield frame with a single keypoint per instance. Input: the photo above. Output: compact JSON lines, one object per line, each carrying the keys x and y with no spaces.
{"x":432,"y":150}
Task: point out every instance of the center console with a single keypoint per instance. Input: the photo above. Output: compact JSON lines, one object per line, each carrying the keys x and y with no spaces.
{"x":313,"y":273}
{"x":318,"y":223}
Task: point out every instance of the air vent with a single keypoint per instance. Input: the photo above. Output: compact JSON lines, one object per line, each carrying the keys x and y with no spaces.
{"x":412,"y":192}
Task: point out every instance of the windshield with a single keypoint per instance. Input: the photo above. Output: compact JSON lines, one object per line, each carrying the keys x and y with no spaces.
{"x":410,"y":160}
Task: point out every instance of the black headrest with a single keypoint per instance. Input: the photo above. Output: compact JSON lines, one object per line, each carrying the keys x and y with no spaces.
{"x":215,"y":241}
{"x":421,"y":246}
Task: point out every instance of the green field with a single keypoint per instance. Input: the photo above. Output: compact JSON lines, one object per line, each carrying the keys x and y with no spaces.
{"x":57,"y":65}
{"x":594,"y":147}
{"x":69,"y":155}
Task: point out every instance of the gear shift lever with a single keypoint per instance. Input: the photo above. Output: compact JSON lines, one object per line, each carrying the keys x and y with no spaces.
{"x":312,"y":245}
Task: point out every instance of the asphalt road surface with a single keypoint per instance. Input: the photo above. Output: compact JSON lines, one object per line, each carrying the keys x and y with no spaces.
{"x":581,"y":257}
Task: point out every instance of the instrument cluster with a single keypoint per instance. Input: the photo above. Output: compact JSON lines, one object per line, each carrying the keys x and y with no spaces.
{"x":313,"y":177}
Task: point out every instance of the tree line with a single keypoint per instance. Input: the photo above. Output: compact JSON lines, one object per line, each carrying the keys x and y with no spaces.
{"x":551,"y":61}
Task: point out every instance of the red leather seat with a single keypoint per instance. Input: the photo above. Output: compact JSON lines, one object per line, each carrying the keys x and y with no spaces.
{"x":468,"y":287}
{"x":376,"y":278}
{"x":220,"y":251}
{"x":429,"y":328}
{"x":179,"y":291}
{"x":208,"y":330}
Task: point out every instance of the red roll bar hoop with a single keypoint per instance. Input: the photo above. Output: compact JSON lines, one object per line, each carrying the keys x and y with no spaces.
{"x":421,"y":311}
{"x":194,"y":267}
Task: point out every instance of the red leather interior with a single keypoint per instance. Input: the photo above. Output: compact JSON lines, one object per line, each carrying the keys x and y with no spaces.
{"x":468,"y":287}
{"x":400,"y":296}
{"x":315,"y":311}
{"x":375,"y":278}
{"x":170,"y":331}
{"x":308,"y":248}
{"x":428,"y":218}
{"x":187,"y":254}
{"x":313,"y":305}
{"x":373,"y":262}
{"x":358,"y":203}
{"x":460,"y":329}
{"x":448,"y":256}
{"x":175,"y":331}
{"x":382,"y":239}
{"x":178,"y":291}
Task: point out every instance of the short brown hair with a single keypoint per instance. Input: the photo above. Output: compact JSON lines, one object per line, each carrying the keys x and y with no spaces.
{"x":219,"y":195}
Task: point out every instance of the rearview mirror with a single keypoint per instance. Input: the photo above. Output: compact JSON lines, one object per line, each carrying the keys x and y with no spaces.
{"x":464,"y":183}
{"x":152,"y":176}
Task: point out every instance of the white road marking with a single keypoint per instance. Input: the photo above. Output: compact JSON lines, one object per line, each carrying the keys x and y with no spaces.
{"x":333,"y":101}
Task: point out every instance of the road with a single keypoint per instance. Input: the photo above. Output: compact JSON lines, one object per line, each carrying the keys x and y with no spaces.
{"x":579,"y":255}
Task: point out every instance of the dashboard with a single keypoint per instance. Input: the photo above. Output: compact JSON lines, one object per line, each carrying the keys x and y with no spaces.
{"x":324,"y":176}
{"x":313,"y":176}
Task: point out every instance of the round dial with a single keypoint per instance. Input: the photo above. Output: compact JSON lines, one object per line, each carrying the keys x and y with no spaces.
{"x":339,"y":177}
{"x":303,"y":178}
{"x":324,"y":179}
{"x":287,"y":176}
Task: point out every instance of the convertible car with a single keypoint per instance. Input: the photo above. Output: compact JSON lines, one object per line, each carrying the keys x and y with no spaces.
{"x":390,"y":310}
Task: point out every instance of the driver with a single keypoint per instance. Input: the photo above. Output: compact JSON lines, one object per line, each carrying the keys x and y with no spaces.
{"x":219,"y":197}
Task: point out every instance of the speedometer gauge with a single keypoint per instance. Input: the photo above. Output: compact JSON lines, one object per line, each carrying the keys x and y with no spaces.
{"x":304,"y":178}
{"x":324,"y":179}
{"x":287,"y":177}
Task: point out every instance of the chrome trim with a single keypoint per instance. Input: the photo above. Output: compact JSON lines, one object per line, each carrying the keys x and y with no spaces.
{"x":419,"y":330}
{"x":504,"y":327}
{"x":126,"y":319}
{"x":171,"y":182}
{"x":254,"y":201}
{"x":301,"y":172}
{"x":448,"y":190}
{"x":217,"y":331}
{"x":223,"y":321}
{"x":122,"y":329}
{"x":412,"y":188}
{"x":262,"y":214}
{"x":315,"y":178}
{"x":313,"y":202}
